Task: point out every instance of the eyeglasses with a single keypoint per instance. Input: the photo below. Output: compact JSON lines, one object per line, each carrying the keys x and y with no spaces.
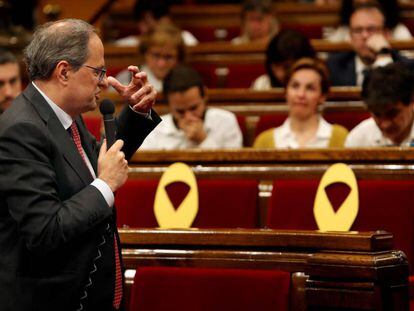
{"x":99,"y":72}
{"x":165,"y":57}
{"x":370,"y":30}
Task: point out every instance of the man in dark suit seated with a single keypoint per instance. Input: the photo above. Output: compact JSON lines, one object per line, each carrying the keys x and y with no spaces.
{"x":59,"y":245}
{"x":369,"y":40}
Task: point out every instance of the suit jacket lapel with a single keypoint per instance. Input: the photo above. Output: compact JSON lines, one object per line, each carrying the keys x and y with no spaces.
{"x":85,"y":137}
{"x":58,"y":134}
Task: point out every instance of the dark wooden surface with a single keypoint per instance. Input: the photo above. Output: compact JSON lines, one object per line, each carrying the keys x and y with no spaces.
{"x":339,"y":270}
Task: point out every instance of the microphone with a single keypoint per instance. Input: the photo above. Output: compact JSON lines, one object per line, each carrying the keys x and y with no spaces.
{"x":107,"y":109}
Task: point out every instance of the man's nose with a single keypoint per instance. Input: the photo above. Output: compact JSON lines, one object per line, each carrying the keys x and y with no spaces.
{"x":104,"y":82}
{"x":7,"y":90}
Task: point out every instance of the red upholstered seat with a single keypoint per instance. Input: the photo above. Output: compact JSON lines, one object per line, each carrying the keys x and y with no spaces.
{"x":348,"y":119}
{"x":241,"y":120}
{"x":197,"y":289}
{"x":384,"y":205}
{"x":229,"y":76}
{"x":211,"y":33}
{"x":309,"y":30}
{"x":222,"y":203}
{"x":93,"y":123}
{"x":269,"y":121}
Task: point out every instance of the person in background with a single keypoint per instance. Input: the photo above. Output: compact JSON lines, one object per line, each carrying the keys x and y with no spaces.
{"x":10,"y":79}
{"x":370,"y":44}
{"x":258,"y":22}
{"x":391,"y":9}
{"x":283,"y":50}
{"x":190,"y":123}
{"x":388,"y":93}
{"x":149,"y":14}
{"x":162,"y":49}
{"x":306,"y":89}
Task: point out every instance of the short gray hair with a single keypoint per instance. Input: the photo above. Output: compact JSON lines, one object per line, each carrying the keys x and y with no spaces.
{"x":53,"y":42}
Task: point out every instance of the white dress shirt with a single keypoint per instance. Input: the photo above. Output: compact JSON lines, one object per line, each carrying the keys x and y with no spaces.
{"x":262,"y":83}
{"x":66,"y":121}
{"x":285,"y":138}
{"x":368,"y":134}
{"x":220,"y":125}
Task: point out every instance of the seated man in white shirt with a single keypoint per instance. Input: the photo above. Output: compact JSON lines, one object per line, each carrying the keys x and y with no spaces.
{"x":190,"y":124}
{"x":388,"y":93}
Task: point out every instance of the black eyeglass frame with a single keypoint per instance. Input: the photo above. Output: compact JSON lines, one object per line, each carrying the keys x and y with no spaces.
{"x":101,"y":72}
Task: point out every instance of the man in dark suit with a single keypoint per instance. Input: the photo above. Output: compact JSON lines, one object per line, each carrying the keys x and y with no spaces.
{"x":369,"y":40}
{"x":59,"y":246}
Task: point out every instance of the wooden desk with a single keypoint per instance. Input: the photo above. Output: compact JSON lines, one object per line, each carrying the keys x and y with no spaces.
{"x":357,"y":271}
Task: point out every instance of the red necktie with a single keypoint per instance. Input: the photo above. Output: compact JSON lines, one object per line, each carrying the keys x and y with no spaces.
{"x":118,"y":272}
{"x":77,"y":140}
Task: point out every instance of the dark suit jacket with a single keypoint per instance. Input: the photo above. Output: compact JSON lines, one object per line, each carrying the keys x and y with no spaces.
{"x":54,"y":226}
{"x":342,"y":67}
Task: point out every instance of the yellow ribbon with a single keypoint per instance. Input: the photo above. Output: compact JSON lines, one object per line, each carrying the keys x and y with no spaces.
{"x":326,"y":217}
{"x":165,"y":213}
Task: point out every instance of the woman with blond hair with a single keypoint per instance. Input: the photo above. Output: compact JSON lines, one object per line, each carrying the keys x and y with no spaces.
{"x":161,"y":50}
{"x":307,"y":85}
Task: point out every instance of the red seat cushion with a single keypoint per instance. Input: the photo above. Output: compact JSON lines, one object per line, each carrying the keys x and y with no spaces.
{"x":93,"y":124}
{"x":383,"y":205}
{"x":348,"y":119}
{"x":241,"y":120}
{"x":193,"y":289}
{"x":269,"y":121}
{"x":222,"y":203}
{"x":232,"y":76}
{"x":309,"y":30}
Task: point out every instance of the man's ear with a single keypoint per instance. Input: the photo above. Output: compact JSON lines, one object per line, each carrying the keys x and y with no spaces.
{"x":62,"y":71}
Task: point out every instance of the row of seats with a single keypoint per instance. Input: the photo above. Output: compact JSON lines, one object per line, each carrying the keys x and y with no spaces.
{"x":384,"y":205}
{"x":198,"y":289}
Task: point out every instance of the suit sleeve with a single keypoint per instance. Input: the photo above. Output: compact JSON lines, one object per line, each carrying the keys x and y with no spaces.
{"x":133,"y":128}
{"x":31,"y":191}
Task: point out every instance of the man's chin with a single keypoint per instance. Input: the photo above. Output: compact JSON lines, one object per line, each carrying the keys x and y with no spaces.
{"x":5,"y":104}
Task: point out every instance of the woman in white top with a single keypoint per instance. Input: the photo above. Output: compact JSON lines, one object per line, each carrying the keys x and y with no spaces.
{"x":391,"y":12}
{"x":306,"y":89}
{"x":283,"y":50}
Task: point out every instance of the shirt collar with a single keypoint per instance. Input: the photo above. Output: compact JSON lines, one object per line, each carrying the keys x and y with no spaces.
{"x":323,"y":130}
{"x":63,"y":117}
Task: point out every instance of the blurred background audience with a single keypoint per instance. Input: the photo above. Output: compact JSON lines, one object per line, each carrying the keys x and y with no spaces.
{"x":388,"y":93}
{"x":148,"y":14}
{"x":306,"y":90}
{"x":190,"y":123}
{"x":161,"y":49}
{"x":10,"y":79}
{"x":371,"y":47}
{"x":283,"y":50}
{"x":391,"y":10}
{"x":258,"y":22}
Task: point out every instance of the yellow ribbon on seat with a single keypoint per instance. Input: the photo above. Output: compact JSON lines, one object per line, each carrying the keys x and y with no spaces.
{"x":326,"y":217}
{"x":165,"y":213}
